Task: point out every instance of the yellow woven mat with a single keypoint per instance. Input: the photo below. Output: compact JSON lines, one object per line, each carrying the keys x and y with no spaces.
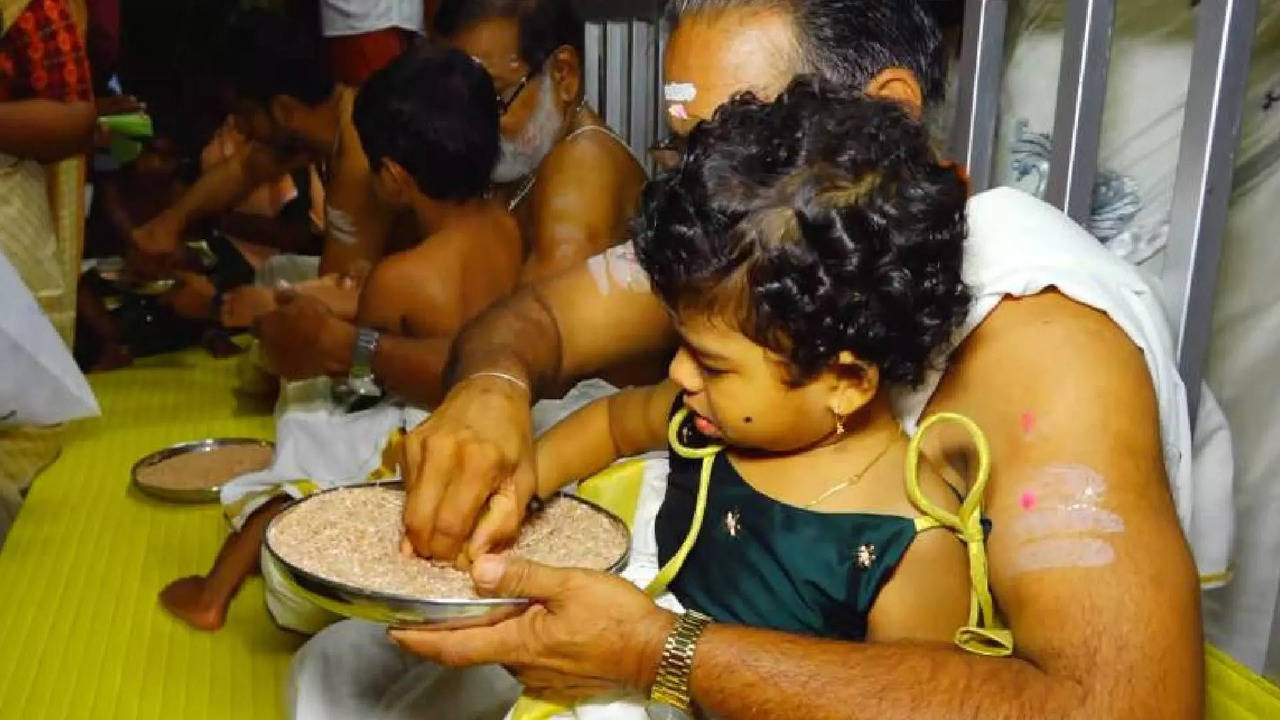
{"x":81,"y":632}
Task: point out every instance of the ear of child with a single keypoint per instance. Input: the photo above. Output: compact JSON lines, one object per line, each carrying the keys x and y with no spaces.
{"x":854,"y":383}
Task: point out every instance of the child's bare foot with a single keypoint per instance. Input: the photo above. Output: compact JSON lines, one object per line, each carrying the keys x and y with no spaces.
{"x":185,"y":598}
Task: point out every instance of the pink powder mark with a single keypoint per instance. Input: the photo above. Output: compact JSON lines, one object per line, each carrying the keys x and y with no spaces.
{"x":1028,"y":422}
{"x":677,"y":111}
{"x":1028,"y":500}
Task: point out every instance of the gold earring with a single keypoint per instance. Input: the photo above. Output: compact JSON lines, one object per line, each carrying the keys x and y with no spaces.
{"x":839,"y":425}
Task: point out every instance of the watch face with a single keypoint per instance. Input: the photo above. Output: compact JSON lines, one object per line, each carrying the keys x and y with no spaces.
{"x":662,"y":711}
{"x":364,"y":385}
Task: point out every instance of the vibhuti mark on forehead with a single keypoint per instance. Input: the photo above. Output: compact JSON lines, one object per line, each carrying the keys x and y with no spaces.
{"x":676,"y":94}
{"x":679,"y":92}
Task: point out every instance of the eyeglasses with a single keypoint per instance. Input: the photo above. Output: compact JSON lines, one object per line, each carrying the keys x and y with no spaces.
{"x":505,"y":103}
{"x":666,"y":154}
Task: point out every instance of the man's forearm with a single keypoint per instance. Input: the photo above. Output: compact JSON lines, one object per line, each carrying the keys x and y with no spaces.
{"x":742,"y":673}
{"x":280,"y":233}
{"x":46,"y":130}
{"x":228,"y":183}
{"x":518,"y":336}
{"x":412,"y":367}
{"x":409,"y":367}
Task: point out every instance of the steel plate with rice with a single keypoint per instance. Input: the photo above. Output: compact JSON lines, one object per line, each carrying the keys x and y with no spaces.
{"x":340,"y":549}
{"x":194,"y":472}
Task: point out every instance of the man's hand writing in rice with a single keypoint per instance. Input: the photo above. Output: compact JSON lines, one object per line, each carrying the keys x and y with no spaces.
{"x":470,"y":466}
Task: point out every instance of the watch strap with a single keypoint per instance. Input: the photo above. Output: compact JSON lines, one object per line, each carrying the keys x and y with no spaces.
{"x":671,"y":686}
{"x":360,"y":378}
{"x":366,"y":344}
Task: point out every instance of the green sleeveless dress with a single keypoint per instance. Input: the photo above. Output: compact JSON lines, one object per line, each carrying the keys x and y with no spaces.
{"x":767,"y":564}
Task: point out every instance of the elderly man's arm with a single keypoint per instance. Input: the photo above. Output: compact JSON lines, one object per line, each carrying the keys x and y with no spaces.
{"x":46,"y":130}
{"x":303,"y":338}
{"x":1088,"y":563}
{"x":477,"y":446}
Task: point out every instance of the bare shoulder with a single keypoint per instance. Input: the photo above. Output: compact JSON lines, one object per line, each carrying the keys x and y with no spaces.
{"x":592,"y":164}
{"x":1042,"y":351}
{"x":1066,"y":401}
{"x":382,"y":299}
{"x":1050,"y":329}
{"x":598,"y":147}
{"x":389,"y":277}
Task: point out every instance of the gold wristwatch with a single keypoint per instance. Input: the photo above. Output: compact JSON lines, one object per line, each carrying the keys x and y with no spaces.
{"x":670,"y":696}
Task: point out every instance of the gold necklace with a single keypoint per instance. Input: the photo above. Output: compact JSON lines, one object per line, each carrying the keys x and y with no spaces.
{"x":524,"y":190}
{"x":844,"y":484}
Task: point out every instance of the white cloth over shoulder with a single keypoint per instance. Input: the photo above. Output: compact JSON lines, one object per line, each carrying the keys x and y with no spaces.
{"x":40,"y":383}
{"x":1019,"y":246}
{"x":352,"y":17}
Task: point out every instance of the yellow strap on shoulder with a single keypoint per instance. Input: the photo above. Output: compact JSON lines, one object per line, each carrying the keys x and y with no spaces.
{"x":527,"y":708}
{"x":983,"y":634}
{"x":708,"y":455}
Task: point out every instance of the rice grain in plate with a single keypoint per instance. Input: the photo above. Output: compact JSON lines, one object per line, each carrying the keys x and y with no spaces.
{"x":352,"y":536}
{"x":201,"y":469}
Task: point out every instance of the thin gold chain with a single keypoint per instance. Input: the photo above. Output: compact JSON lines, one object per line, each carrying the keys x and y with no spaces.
{"x":844,"y":484}
{"x":533,"y":175}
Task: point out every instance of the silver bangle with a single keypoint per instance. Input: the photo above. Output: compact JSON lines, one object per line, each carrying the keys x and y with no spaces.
{"x":503,"y":376}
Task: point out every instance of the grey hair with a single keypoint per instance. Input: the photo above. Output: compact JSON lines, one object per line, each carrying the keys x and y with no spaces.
{"x":849,"y":42}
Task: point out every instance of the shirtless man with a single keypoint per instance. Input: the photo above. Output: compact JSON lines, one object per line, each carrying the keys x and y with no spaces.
{"x":287,"y":103}
{"x":1104,"y":611}
{"x":573,"y":184}
{"x":284,"y":99}
{"x":436,"y":163}
{"x":429,"y":124}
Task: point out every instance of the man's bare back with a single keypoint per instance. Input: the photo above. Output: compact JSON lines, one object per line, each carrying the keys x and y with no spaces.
{"x":572,"y":184}
{"x":433,"y":288}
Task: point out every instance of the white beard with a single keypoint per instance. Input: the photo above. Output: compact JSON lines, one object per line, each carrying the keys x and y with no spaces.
{"x":524,"y":154}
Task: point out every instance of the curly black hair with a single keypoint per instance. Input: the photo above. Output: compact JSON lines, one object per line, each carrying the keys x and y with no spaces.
{"x":818,"y":223}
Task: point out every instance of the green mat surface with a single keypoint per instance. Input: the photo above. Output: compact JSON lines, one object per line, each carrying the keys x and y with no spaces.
{"x":81,"y":632}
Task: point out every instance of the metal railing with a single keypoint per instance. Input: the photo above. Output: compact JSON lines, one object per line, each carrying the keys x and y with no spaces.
{"x":1210,"y":137}
{"x":622,"y":60}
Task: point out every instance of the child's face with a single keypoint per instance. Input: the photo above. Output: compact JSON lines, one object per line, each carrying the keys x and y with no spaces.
{"x":739,"y":392}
